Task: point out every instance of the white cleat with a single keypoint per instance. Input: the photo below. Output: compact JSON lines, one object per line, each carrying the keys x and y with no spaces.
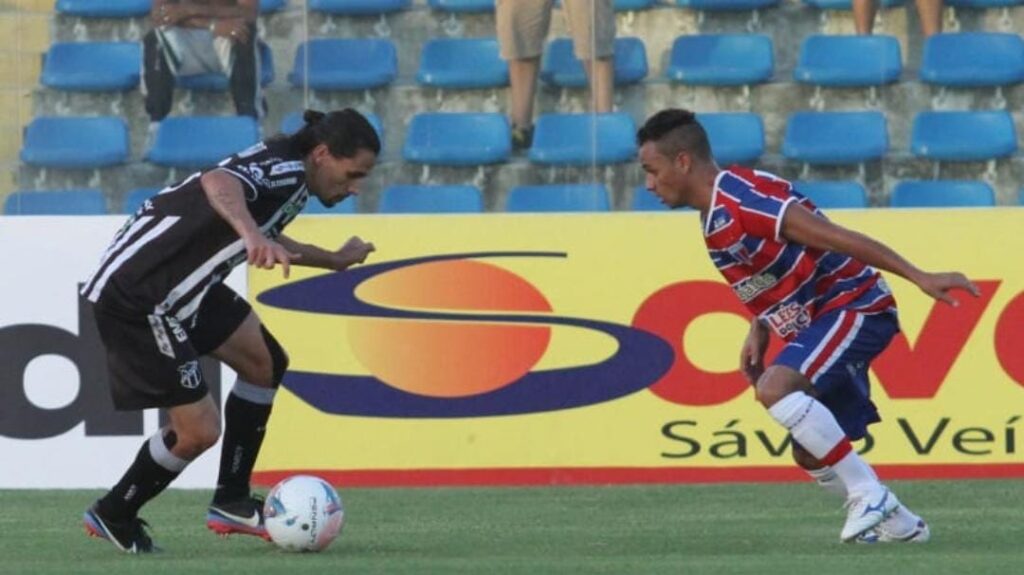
{"x":867,"y":511}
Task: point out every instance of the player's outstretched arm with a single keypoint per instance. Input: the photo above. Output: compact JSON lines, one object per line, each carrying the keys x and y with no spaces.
{"x":801,"y":226}
{"x":225,"y":194}
{"x":354,"y":251}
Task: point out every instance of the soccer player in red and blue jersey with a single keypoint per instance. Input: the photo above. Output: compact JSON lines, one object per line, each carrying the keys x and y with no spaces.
{"x":814,"y":284}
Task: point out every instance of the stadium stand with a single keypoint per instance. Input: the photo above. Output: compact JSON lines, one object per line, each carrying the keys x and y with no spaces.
{"x":579,"y":139}
{"x":848,"y":61}
{"x":462,"y":63}
{"x":941,"y":194}
{"x":558,"y":198}
{"x":344,"y":64}
{"x":457,"y":139}
{"x":199,"y":142}
{"x":736,"y":137}
{"x":85,"y":202}
{"x":431,"y":200}
{"x":834,"y":195}
{"x":97,"y":142}
{"x":721,"y":59}
{"x":835,"y":137}
{"x":560,"y":67}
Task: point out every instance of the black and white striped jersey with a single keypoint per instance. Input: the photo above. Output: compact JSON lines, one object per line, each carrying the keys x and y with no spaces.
{"x":167,"y":255}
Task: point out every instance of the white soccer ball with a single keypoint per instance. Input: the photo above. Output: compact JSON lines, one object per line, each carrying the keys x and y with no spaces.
{"x":303,"y":513}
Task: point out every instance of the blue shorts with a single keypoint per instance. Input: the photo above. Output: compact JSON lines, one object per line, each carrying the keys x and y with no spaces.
{"x":834,"y":353}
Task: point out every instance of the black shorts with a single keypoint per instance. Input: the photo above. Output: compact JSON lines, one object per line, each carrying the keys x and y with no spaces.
{"x":153,"y":360}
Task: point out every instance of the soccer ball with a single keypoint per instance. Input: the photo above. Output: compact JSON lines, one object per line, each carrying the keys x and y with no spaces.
{"x":303,"y":513}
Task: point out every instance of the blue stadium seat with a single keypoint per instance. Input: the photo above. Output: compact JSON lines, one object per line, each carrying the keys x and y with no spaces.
{"x":462,"y":63}
{"x":92,"y":66}
{"x":293,"y":121}
{"x":75,"y":142}
{"x":721,"y":59}
{"x":558,"y":198}
{"x":201,"y":141}
{"x":271,"y":6}
{"x":973,"y":59}
{"x":569,"y":139}
{"x":644,"y":200}
{"x":135,"y":198}
{"x":345,"y":64}
{"x":736,"y":137}
{"x":315,"y":207}
{"x":847,"y":61}
{"x":846,"y":4}
{"x":104,"y":8}
{"x":625,"y":5}
{"x":834,"y":195}
{"x":726,"y":4}
{"x":983,"y":3}
{"x":219,"y":82}
{"x":358,"y":7}
{"x":941,"y":193}
{"x":835,"y":137}
{"x":457,"y":139}
{"x":962,"y":136}
{"x":84,"y":202}
{"x":462,"y":5}
{"x":561,"y":68}
{"x":431,"y":200}
{"x":1020,"y":197}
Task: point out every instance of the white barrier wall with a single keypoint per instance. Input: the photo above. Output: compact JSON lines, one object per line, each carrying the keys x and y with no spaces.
{"x":57,"y":424}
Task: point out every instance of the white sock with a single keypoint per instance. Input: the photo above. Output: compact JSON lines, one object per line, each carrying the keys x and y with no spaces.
{"x":814,"y":427}
{"x":828,"y":480}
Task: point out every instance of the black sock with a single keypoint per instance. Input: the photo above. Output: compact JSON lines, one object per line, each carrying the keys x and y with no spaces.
{"x":245,"y":424}
{"x":144,"y":480}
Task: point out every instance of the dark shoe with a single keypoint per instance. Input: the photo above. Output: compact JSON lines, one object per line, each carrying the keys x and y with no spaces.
{"x":129,"y":536}
{"x":243,"y":516}
{"x":522,"y":138}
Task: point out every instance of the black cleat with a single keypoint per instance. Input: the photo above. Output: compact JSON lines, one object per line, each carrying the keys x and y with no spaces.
{"x":243,"y":516}
{"x":129,"y":536}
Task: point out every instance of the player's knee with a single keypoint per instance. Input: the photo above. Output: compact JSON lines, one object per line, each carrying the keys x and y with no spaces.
{"x":774,"y":384}
{"x":278,"y":363}
{"x":194,"y":442}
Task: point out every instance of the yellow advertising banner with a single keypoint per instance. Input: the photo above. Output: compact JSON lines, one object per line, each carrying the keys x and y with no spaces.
{"x":564,"y":348}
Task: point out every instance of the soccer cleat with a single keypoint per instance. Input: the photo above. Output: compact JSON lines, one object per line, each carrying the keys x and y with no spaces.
{"x":867,"y":511}
{"x":129,"y":536}
{"x":243,"y":516}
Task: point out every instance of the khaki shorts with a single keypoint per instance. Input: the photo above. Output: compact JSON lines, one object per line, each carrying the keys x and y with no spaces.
{"x":523,"y":27}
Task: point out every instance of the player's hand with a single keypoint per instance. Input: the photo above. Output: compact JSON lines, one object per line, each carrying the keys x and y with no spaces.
{"x":353,"y":252}
{"x":940,"y":285}
{"x":752,"y":352}
{"x":265,"y":253}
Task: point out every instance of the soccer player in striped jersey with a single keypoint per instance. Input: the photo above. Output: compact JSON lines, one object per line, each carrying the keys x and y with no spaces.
{"x":160,"y":304}
{"x":815,"y":285}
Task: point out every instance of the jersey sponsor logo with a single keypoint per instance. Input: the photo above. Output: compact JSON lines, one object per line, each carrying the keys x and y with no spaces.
{"x":177,"y":330}
{"x":163,"y":342}
{"x":284,"y":182}
{"x":789,"y":319}
{"x":749,"y":288}
{"x":190,"y":375}
{"x":285,"y":167}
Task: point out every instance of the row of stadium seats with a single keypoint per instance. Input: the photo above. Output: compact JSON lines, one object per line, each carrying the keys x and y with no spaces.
{"x":471,"y":139}
{"x":543,"y":198}
{"x":956,"y":59}
{"x":129,"y":8}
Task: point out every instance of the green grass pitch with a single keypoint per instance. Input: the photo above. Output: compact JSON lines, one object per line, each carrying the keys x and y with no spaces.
{"x":977,"y":529}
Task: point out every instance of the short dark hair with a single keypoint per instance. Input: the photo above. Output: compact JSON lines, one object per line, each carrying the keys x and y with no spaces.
{"x":344,"y":131}
{"x":673,"y":131}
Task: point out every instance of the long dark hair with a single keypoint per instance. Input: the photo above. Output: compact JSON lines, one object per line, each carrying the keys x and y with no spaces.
{"x":344,"y":131}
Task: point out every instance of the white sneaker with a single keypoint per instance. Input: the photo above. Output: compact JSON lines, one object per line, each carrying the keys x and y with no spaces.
{"x":867,"y":511}
{"x":919,"y":534}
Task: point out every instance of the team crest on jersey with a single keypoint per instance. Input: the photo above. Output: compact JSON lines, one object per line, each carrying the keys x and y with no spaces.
{"x":740,"y":253}
{"x":190,"y":375}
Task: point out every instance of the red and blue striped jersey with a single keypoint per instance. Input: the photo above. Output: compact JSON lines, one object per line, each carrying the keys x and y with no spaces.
{"x":786,"y":284}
